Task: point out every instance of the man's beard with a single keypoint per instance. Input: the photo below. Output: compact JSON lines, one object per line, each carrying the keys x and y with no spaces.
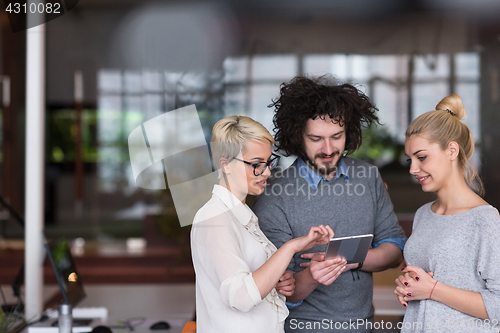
{"x":323,"y":170}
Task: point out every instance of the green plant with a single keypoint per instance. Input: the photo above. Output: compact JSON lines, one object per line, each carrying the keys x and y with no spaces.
{"x":378,"y":147}
{"x":10,"y":322}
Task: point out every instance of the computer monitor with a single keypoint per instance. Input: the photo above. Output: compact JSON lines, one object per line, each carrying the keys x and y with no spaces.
{"x":68,"y":279}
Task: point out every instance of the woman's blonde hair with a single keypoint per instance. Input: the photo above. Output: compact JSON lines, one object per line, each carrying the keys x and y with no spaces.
{"x":230,"y":135}
{"x":444,"y":125}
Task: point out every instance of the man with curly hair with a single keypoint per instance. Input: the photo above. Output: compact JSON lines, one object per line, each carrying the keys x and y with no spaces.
{"x":321,"y":121}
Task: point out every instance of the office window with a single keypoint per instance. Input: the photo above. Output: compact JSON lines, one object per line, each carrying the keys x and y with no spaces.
{"x":401,"y":93}
{"x":385,"y":78}
{"x":248,"y":84}
{"x":274,"y":67}
{"x":426,"y":95}
{"x":432,"y":67}
{"x":126,"y":99}
{"x":251,"y":83}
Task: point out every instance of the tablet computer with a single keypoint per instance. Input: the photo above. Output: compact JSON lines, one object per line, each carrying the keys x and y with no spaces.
{"x":352,"y":248}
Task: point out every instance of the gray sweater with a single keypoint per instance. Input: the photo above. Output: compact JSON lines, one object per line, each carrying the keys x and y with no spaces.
{"x":361,"y":205}
{"x":463,"y":251}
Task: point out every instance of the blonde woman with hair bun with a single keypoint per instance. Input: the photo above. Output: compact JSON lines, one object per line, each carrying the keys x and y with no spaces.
{"x":452,"y":281}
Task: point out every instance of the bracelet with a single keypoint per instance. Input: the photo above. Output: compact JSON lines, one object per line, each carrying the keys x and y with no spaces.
{"x":433,"y":289}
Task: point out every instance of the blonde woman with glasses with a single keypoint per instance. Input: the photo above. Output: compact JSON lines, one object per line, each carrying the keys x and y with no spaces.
{"x":241,"y":281}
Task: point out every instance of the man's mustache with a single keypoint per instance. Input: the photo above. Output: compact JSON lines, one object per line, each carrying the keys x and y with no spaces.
{"x":323,"y":155}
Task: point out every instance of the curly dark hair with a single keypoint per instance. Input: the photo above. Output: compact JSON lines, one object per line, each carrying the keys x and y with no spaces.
{"x":308,"y":98}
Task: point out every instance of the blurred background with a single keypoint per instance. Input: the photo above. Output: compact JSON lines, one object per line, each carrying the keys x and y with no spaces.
{"x":137,"y":59}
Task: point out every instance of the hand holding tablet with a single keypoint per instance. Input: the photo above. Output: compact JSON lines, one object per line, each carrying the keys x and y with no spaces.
{"x":352,"y":248}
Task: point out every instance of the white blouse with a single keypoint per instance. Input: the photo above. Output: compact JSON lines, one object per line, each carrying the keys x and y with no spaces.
{"x":227,"y":245}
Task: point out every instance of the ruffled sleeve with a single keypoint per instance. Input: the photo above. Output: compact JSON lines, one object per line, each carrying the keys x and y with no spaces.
{"x":274,"y":297}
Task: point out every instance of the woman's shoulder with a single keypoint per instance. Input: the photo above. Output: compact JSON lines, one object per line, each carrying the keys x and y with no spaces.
{"x":477,"y":209}
{"x":419,"y":214}
{"x":424,"y":208}
{"x":212,"y":212}
{"x":482,"y":218}
{"x":482,"y":221}
{"x":212,"y":223}
{"x":485,"y":215}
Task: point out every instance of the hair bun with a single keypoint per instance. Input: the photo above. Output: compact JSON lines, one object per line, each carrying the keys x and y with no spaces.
{"x":453,"y":105}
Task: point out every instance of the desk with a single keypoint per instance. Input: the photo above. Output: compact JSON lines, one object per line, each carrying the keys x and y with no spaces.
{"x":153,"y":301}
{"x":174,"y":303}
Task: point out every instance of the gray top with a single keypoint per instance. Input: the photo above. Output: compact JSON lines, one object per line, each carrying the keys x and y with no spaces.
{"x":361,"y":205}
{"x":463,"y":251}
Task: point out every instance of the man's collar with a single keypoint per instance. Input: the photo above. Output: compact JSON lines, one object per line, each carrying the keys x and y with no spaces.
{"x":313,"y":178}
{"x":240,"y":210}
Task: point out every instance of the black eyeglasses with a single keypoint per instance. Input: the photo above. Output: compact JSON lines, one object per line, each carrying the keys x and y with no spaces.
{"x":260,"y":167}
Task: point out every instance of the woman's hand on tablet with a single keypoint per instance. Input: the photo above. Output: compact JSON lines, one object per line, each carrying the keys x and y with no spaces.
{"x":317,"y":236}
